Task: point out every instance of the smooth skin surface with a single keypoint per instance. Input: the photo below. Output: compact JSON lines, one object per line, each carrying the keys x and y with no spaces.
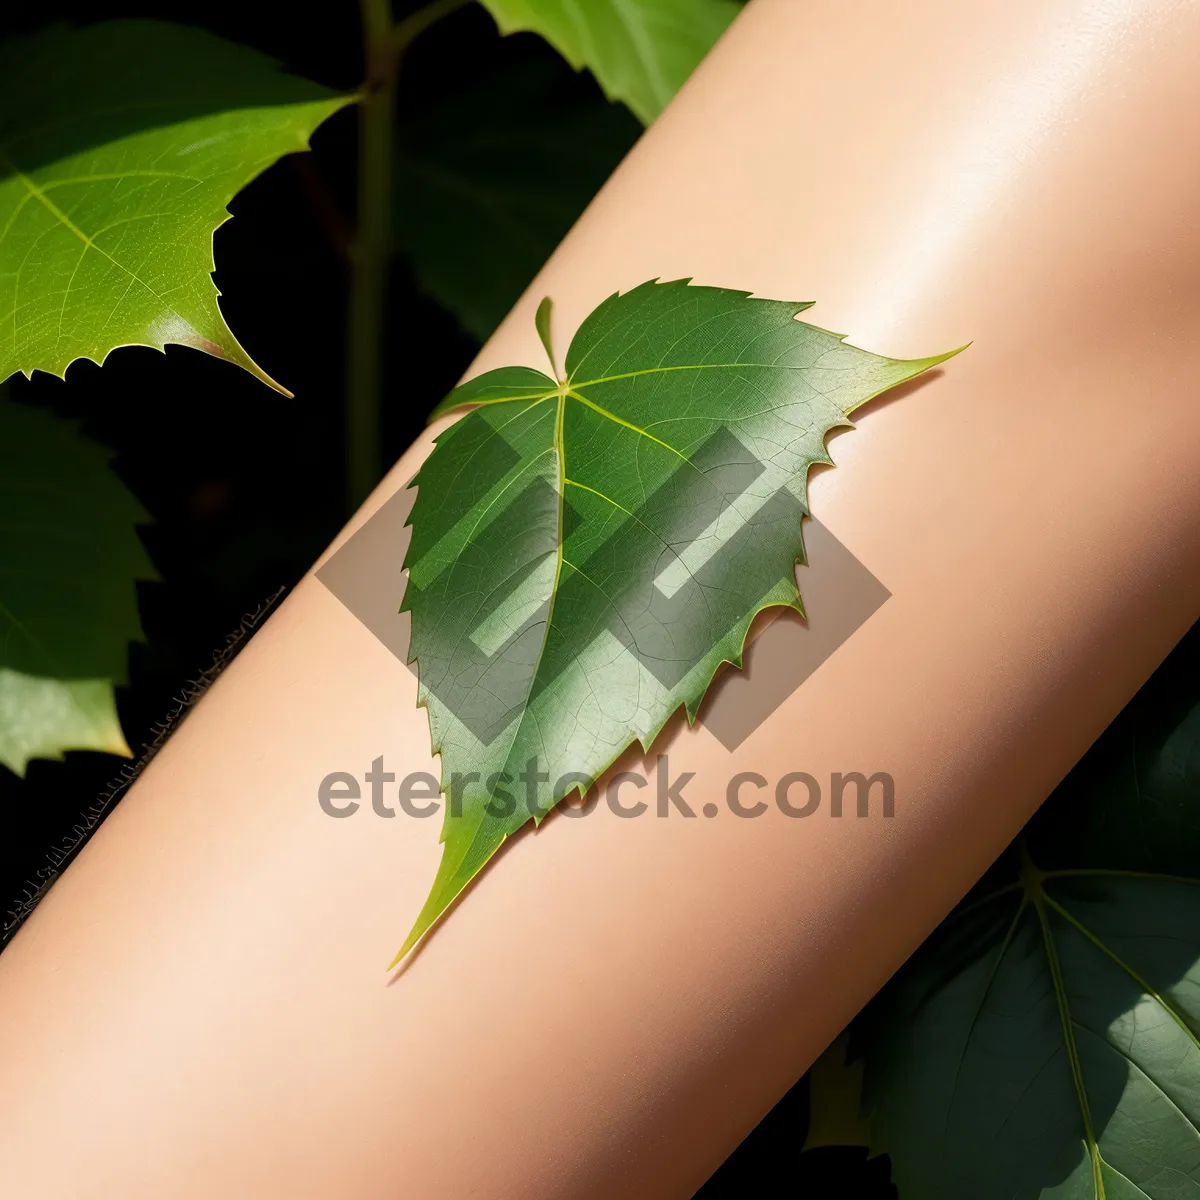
{"x":199,"y":1007}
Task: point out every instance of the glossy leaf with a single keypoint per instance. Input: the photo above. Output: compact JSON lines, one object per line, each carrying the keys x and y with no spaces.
{"x":120,"y":146}
{"x":641,"y":51}
{"x":490,"y":182}
{"x":41,"y":718}
{"x":1046,"y":1041}
{"x":586,"y":553}
{"x":69,"y":552}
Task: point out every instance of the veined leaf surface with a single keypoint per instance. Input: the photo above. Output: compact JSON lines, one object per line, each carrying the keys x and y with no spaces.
{"x":120,"y":146}
{"x":587,"y":552}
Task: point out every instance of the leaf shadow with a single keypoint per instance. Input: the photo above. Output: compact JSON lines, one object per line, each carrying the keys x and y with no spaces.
{"x":526,"y":830}
{"x":633,"y":757}
{"x":874,"y":405}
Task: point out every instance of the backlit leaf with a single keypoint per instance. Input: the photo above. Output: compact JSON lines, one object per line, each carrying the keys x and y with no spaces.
{"x":641,"y":51}
{"x":41,"y":718}
{"x":120,"y":146}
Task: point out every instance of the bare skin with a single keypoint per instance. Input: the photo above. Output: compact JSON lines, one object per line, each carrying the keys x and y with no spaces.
{"x":199,"y":1007}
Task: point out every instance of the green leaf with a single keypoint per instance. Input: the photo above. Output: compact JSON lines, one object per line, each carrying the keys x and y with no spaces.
{"x":641,"y":51}
{"x":42,"y":718}
{"x":69,"y":552}
{"x":490,"y":182}
{"x":120,"y":146}
{"x":586,"y":554}
{"x":1046,"y":1041}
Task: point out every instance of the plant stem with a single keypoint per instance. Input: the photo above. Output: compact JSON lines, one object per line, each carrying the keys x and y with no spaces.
{"x":371,"y":255}
{"x":384,"y":44}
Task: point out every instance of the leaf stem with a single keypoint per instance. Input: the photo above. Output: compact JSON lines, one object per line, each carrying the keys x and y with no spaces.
{"x":384,"y":42}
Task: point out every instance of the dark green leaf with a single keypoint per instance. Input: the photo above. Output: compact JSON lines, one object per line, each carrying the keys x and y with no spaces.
{"x":586,"y":553}
{"x":491,"y":181}
{"x":120,"y":146}
{"x":69,"y":552}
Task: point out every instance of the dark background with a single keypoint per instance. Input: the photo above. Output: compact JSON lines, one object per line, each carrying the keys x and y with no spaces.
{"x":246,"y":488}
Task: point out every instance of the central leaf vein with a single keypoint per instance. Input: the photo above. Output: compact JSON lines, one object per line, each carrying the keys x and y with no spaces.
{"x":1146,"y":987}
{"x":1068,"y":1030}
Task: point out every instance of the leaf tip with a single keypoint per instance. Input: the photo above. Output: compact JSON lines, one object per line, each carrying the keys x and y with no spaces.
{"x":174,"y":330}
{"x":119,"y":745}
{"x":937,"y":359}
{"x":423,"y":924}
{"x":250,"y":365}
